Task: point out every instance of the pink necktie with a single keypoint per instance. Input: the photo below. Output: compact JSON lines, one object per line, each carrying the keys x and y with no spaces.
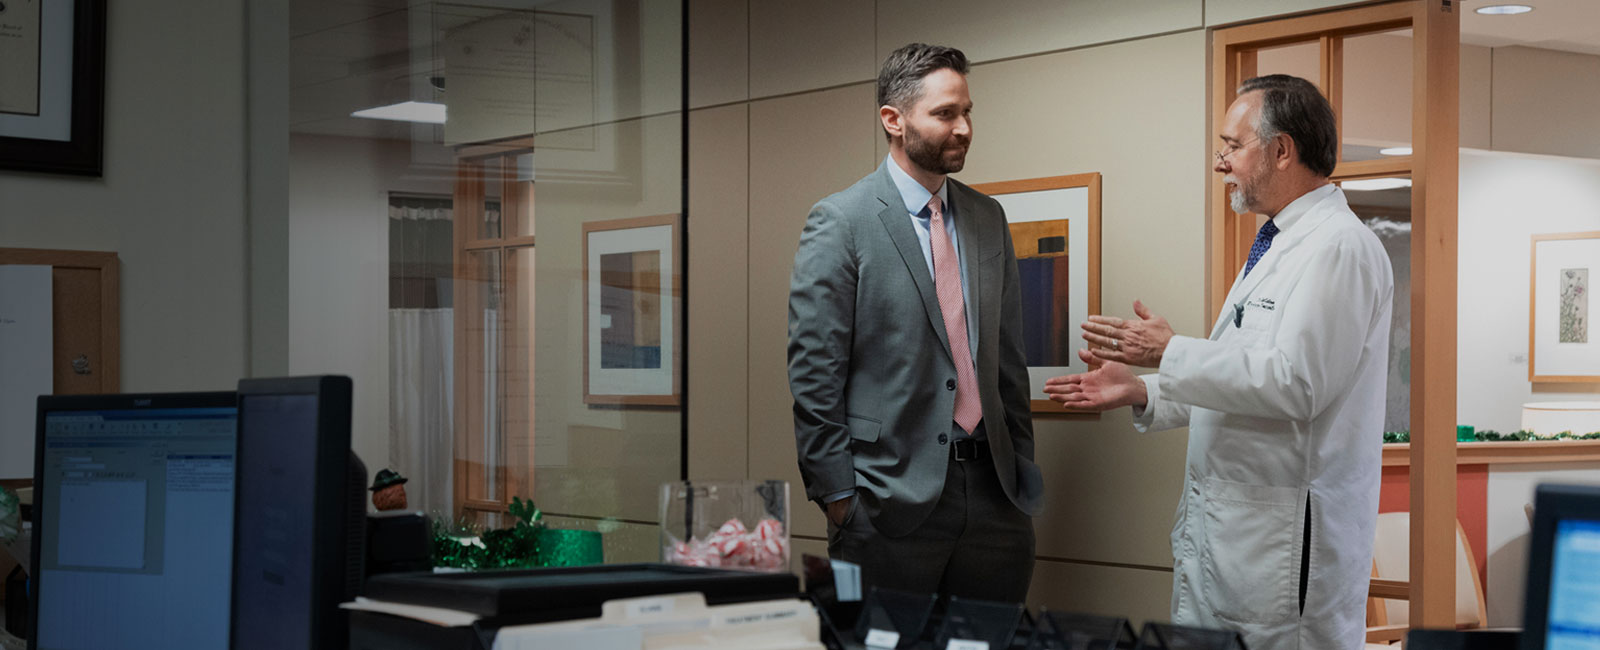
{"x":953,"y":305}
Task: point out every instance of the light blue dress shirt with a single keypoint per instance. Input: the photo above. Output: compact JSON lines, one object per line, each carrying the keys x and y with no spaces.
{"x":916,"y":199}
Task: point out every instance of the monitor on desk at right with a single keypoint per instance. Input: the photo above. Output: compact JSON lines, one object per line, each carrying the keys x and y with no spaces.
{"x":1562,"y":607}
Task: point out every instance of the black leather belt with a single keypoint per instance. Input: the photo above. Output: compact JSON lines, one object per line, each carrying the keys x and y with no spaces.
{"x":964,"y":449}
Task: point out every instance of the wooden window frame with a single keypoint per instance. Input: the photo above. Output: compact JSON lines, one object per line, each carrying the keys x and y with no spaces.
{"x":1433,"y":168}
{"x":515,"y":384}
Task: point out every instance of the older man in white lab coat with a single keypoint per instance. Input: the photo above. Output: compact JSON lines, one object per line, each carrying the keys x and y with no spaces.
{"x":1284,"y":400}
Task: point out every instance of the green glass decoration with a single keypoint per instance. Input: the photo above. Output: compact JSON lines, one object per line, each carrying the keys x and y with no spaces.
{"x":1464,"y":433}
{"x":528,"y":543}
{"x":566,"y":547}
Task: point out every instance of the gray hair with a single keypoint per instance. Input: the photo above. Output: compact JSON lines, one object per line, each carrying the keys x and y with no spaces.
{"x":1291,"y":105}
{"x":900,"y":79}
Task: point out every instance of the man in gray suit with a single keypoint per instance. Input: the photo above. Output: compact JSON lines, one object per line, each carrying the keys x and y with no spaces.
{"x":911,"y":408}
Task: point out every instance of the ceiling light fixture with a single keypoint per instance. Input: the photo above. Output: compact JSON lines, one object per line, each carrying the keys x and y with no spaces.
{"x":1504,"y":10}
{"x":1395,"y":151}
{"x":1375,"y":184}
{"x":423,"y":112}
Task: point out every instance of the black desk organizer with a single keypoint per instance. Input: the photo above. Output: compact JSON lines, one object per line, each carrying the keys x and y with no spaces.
{"x":515,"y":597}
{"x":1066,"y":631}
{"x":925,"y":622}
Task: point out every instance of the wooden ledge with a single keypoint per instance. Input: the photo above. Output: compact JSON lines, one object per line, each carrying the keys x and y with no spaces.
{"x":1485,"y":453}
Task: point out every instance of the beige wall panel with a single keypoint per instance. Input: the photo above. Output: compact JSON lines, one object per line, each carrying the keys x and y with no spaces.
{"x":802,"y":148}
{"x":1544,"y":102}
{"x":719,"y":292}
{"x":1141,"y":595}
{"x":620,"y":541}
{"x":1075,"y":112}
{"x":1477,"y":79}
{"x":1222,"y":12}
{"x":1377,"y":91}
{"x":597,"y":461}
{"x":719,"y":52}
{"x":998,"y":30}
{"x":1300,"y":59}
{"x":798,"y":46}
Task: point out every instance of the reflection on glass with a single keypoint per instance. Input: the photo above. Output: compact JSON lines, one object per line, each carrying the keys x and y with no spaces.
{"x":1377,"y":94}
{"x":1388,"y":213}
{"x":519,"y":192}
{"x":493,"y":189}
{"x":582,"y":97}
{"x":486,"y":320}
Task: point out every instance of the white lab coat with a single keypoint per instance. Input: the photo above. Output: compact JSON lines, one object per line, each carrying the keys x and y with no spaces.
{"x":1285,"y":406}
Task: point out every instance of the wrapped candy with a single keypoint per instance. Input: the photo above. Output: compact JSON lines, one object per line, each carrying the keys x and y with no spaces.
{"x":731,"y":524}
{"x":733,"y":546}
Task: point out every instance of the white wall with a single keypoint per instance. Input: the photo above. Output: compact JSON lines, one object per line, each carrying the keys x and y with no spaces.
{"x":171,"y":201}
{"x":339,"y":269}
{"x":1505,"y":199}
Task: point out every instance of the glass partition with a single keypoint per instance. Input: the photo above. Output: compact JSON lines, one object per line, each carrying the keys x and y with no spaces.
{"x":521,"y":166}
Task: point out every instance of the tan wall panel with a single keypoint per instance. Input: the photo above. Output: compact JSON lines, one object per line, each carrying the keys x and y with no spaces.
{"x":988,"y":31}
{"x":798,"y":46}
{"x":719,"y":292}
{"x":1476,"y":95}
{"x":719,"y":52}
{"x":1222,"y":12}
{"x":1377,"y":90}
{"x":1140,"y":595}
{"x":1111,"y":492}
{"x":802,"y":148}
{"x":597,"y":461}
{"x":1542,"y":105}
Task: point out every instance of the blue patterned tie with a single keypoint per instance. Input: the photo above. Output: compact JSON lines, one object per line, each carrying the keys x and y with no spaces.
{"x":1263,"y":242}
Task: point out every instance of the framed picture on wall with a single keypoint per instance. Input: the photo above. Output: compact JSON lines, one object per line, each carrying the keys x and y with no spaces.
{"x":1055,"y":228}
{"x":1562,"y":343}
{"x":52,"y":82}
{"x":632,"y":283}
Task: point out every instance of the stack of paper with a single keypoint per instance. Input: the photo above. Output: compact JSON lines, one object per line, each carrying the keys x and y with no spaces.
{"x":676,"y":622}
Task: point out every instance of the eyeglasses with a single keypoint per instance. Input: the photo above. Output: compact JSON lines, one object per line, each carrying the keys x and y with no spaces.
{"x":1222,"y":156}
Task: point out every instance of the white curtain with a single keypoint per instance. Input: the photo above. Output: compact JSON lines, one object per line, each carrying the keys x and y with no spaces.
{"x":421,"y":405}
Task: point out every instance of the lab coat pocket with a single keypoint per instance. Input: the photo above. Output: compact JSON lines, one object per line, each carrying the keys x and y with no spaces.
{"x":1252,"y":550}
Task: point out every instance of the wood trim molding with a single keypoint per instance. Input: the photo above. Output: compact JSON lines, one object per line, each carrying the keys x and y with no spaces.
{"x":1356,"y":169}
{"x":1508,"y":452}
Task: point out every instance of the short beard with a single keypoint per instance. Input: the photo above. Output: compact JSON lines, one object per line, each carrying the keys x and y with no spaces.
{"x":929,"y":155}
{"x":1246,"y":198}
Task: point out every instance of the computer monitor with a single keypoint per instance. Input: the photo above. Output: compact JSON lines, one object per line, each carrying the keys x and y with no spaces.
{"x":1562,"y":604}
{"x":299,"y":528}
{"x":133,"y":521}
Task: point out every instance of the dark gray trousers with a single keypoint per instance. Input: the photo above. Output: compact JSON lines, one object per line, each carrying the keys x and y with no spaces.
{"x":975,"y":544}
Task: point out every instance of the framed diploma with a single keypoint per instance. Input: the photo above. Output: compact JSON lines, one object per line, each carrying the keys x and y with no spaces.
{"x":52,"y":85}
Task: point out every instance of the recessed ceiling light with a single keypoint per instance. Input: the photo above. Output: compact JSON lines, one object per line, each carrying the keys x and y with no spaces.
{"x":424,"y":112}
{"x":1395,"y":151}
{"x":1374,"y":184}
{"x":1504,"y":10}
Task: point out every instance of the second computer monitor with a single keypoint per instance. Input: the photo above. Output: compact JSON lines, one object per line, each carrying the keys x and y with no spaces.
{"x":296,"y":521}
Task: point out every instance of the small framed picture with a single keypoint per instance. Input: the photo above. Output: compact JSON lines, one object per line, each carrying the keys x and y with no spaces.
{"x":631,"y":308}
{"x":1055,"y":229}
{"x":1561,"y":339}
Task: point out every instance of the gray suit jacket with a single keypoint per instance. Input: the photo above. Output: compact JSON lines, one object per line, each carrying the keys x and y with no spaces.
{"x":869,"y":359}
